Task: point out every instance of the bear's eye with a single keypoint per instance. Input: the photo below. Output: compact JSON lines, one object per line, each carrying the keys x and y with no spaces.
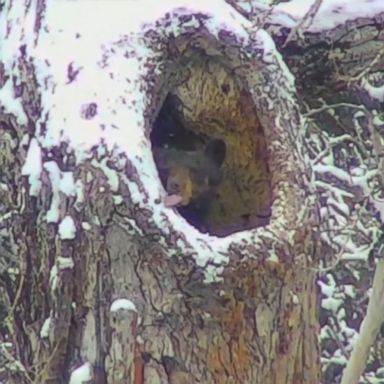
{"x":173,"y":186}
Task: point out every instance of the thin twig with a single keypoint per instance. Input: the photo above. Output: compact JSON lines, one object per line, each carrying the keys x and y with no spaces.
{"x":311,"y":13}
{"x":332,"y":106}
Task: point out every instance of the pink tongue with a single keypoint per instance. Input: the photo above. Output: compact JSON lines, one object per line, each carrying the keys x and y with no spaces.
{"x":172,"y":200}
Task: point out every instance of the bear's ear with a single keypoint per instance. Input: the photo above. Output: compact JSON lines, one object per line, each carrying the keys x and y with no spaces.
{"x":216,"y":150}
{"x":160,"y":156}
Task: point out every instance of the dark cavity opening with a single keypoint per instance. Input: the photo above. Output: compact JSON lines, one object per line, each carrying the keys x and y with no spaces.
{"x":211,"y":155}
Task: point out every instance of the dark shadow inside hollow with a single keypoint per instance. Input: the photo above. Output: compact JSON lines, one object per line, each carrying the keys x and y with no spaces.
{"x":210,"y":151}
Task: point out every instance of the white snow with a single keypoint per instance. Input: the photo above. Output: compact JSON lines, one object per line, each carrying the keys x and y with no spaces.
{"x":123,"y":304}
{"x":295,"y":298}
{"x":354,"y":253}
{"x":44,"y":331}
{"x":67,"y":184}
{"x":117,"y":199}
{"x":378,"y":120}
{"x":53,"y":277}
{"x":11,"y":104}
{"x":61,"y":263}
{"x":376,"y":93}
{"x":33,"y":166}
{"x":332,"y":12}
{"x":10,"y":37}
{"x":379,"y":206}
{"x":213,"y":273}
{"x":54,"y":176}
{"x":350,"y":333}
{"x":64,"y":263}
{"x":79,"y":194}
{"x":86,"y":226}
{"x":350,"y":290}
{"x":81,"y":375}
{"x":67,"y":228}
{"x":113,"y":179}
{"x":326,"y":289}
{"x":341,"y":314}
{"x":380,"y":371}
{"x":332,"y":304}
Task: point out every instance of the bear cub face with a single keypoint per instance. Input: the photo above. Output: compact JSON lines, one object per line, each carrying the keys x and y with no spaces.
{"x":191,"y":177}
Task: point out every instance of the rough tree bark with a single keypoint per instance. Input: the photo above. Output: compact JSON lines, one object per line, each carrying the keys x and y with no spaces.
{"x":103,"y":283}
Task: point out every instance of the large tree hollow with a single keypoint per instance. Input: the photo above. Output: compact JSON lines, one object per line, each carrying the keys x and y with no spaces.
{"x":210,"y":150}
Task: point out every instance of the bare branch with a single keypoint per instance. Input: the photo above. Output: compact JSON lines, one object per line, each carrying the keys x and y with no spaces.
{"x":369,"y":329}
{"x":309,"y":16}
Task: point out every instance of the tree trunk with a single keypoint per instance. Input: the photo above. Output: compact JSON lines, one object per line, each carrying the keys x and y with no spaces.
{"x":101,"y":281}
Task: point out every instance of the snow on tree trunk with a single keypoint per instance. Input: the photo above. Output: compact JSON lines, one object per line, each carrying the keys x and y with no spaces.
{"x":101,"y":281}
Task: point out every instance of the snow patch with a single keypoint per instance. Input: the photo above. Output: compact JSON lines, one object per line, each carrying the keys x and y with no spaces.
{"x":332,"y":304}
{"x":54,"y":176}
{"x":10,"y":103}
{"x":44,"y":331}
{"x":67,"y":184}
{"x":53,"y":277}
{"x":33,"y":167}
{"x":376,"y":93}
{"x":64,"y":263}
{"x":86,"y":226}
{"x":61,"y":263}
{"x":112,"y":178}
{"x":81,"y":375}
{"x":79,"y":188}
{"x":123,"y":304}
{"x":332,"y":12}
{"x":327,"y":290}
{"x":117,"y":199}
{"x":67,"y":228}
